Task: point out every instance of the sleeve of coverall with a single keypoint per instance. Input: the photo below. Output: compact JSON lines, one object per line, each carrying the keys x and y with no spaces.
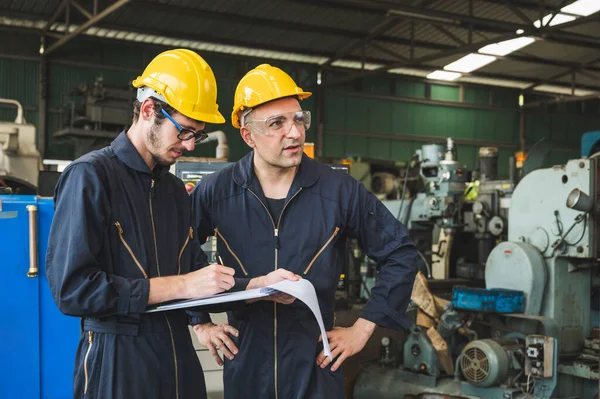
{"x":79,"y":282}
{"x":385,"y":240}
{"x":204,"y":228}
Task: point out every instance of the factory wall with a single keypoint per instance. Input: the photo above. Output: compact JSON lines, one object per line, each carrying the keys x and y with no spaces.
{"x":390,"y":117}
{"x":385,"y":117}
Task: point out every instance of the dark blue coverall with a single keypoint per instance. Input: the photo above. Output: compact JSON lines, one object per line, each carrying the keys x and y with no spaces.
{"x":278,"y":344}
{"x":117,"y":224}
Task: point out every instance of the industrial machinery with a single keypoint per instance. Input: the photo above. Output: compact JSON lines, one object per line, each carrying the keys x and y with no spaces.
{"x":94,"y":115}
{"x":529,"y":333}
{"x":455,"y":217}
{"x":20,"y":161}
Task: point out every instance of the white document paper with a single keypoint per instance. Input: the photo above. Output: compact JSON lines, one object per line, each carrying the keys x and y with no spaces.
{"x":302,"y":290}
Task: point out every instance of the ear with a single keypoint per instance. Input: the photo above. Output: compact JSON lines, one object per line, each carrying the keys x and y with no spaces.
{"x":147,"y":110}
{"x":247,"y":136}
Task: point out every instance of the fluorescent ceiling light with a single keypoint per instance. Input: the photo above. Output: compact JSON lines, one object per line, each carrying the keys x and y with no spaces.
{"x":507,"y":46}
{"x":564,"y":90}
{"x":355,"y":65}
{"x":469,"y":63}
{"x":444,"y":75}
{"x":520,"y":31}
{"x":409,"y":72}
{"x":559,"y":19}
{"x":582,"y":7}
{"x":517,"y":84}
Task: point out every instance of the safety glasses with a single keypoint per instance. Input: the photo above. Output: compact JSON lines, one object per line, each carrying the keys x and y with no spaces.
{"x":280,"y":125}
{"x":184,"y":133}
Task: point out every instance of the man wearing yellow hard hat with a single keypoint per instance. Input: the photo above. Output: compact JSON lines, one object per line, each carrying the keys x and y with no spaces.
{"x":122,"y":239}
{"x":278,"y":209}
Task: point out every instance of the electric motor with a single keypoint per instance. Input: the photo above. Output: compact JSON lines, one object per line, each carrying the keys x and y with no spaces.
{"x":488,"y":362}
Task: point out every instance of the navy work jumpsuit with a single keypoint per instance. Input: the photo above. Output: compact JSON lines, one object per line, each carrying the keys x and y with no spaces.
{"x":278,"y":344}
{"x":117,"y":224}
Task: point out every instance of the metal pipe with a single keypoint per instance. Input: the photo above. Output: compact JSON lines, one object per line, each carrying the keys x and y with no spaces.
{"x":19,"y":119}
{"x":33,"y":242}
{"x":222,"y":146}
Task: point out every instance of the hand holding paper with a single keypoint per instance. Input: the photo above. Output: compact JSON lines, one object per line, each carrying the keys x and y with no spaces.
{"x":301,"y":289}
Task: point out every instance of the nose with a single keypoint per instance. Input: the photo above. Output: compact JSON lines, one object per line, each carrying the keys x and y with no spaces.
{"x":295,"y":132}
{"x":189,"y":145}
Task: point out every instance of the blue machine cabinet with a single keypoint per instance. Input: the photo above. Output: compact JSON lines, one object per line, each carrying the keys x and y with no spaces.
{"x":37,"y":342}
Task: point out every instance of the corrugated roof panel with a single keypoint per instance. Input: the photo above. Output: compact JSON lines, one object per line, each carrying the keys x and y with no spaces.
{"x":555,"y":51}
{"x":519,"y":69}
{"x":497,"y":12}
{"x":428,"y":33}
{"x":401,"y":29}
{"x":455,"y":7}
{"x":588,"y":29}
{"x":314,"y":14}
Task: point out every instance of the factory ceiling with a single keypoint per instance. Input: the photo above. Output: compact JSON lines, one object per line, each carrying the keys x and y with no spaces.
{"x":548,"y":46}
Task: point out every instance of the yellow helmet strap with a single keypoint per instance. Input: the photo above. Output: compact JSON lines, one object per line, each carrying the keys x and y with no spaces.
{"x":145,"y":92}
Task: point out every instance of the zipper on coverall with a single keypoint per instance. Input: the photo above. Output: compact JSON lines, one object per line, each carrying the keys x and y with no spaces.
{"x":152,"y":194}
{"x":276,"y":239}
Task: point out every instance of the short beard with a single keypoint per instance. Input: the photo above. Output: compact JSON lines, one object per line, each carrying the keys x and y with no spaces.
{"x":154,"y":141}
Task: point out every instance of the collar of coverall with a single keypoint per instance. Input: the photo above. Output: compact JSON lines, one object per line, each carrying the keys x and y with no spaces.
{"x":127,"y":153}
{"x":244,"y":176}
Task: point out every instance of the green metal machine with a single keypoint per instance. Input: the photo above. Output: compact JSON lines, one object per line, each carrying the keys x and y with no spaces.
{"x":551,"y":255}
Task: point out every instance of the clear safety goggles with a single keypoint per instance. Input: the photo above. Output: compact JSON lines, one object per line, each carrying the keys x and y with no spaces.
{"x":280,"y":125}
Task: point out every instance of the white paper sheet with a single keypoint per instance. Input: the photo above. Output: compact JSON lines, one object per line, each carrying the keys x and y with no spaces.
{"x":302,"y":290}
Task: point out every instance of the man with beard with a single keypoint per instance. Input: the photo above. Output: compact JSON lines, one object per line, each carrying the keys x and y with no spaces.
{"x":277,"y":208}
{"x":122,"y":238}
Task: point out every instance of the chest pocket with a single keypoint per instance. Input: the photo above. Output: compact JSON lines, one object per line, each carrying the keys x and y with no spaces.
{"x":123,"y":243}
{"x":321,"y":250}
{"x":230,"y":250}
{"x":186,"y":258}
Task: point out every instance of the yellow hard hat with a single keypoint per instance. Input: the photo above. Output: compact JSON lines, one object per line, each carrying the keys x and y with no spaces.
{"x":261,"y":85}
{"x":182,"y":79}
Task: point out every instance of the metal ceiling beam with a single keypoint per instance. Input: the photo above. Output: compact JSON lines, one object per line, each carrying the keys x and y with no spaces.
{"x":554,"y":14}
{"x":589,"y":75}
{"x":517,"y":11}
{"x":400,"y":41}
{"x":562,"y":74}
{"x":86,"y":25}
{"x":387,"y":23}
{"x":384,"y":25}
{"x":56,"y":14}
{"x":449,"y":34}
{"x":384,"y":50}
{"x":309,"y":28}
{"x":562,"y":99}
{"x":458,"y":50}
{"x":301,"y":27}
{"x":536,"y":6}
{"x":383,"y":7}
{"x":205,"y":38}
{"x":81,"y":9}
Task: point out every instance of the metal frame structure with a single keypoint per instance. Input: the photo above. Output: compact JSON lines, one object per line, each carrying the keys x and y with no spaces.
{"x":93,"y":18}
{"x":392,"y":41}
{"x":466,"y":31}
